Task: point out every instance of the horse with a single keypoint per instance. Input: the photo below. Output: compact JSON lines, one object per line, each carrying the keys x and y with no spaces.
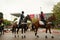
{"x":14,"y":27}
{"x":23,"y":26}
{"x":36,"y":25}
{"x":1,"y":26}
{"x":47,"y":25}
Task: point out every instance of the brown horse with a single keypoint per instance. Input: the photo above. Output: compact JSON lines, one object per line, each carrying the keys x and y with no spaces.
{"x":36,"y":24}
{"x":14,"y":27}
{"x":47,"y":26}
{"x":1,"y":26}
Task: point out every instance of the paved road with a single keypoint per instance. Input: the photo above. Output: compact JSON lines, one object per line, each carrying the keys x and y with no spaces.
{"x":30,"y":36}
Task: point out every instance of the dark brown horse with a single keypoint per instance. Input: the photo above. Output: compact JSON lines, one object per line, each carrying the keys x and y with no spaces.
{"x":23,"y":26}
{"x":47,"y":26}
{"x":36,"y":24}
{"x":1,"y":26}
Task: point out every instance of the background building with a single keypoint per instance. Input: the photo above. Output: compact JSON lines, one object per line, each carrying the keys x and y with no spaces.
{"x":47,"y":15}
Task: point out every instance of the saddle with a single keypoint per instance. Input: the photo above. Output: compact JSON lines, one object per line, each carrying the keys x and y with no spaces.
{"x":41,"y":23}
{"x":23,"y":22}
{"x":49,"y":23}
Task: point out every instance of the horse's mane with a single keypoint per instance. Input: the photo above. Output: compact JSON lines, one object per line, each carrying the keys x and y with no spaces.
{"x":52,"y":18}
{"x":27,"y":18}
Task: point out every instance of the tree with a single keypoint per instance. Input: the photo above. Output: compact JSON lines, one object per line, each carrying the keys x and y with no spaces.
{"x":6,"y":22}
{"x":56,"y":11}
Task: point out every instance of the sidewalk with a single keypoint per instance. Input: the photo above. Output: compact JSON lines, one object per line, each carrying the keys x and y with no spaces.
{"x":52,"y":30}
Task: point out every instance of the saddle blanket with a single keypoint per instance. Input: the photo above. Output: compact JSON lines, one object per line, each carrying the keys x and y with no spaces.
{"x":41,"y":22}
{"x":23,"y":23}
{"x":49,"y":23}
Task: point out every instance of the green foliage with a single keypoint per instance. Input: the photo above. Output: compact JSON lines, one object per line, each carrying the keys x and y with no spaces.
{"x":56,"y":8}
{"x":6,"y":22}
{"x":56,"y":11}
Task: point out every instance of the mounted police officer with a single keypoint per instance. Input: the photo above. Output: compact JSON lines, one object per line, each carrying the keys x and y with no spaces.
{"x":20,"y":20}
{"x":21,"y":17}
{"x":42,"y":17}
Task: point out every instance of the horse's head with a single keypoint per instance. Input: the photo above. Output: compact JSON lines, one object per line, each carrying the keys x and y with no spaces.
{"x":27,"y":18}
{"x":52,"y":18}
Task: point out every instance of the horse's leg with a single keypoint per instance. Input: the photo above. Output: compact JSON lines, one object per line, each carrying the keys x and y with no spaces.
{"x":25,"y":30}
{"x":15,"y":33}
{"x":3,"y":31}
{"x":32,"y":27}
{"x":36,"y":32}
{"x":46,"y":32}
{"x":51,"y":33}
{"x":22,"y":31}
{"x":18,"y":31}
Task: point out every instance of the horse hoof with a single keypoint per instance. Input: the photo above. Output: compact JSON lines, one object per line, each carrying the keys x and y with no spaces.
{"x":52,"y":37}
{"x":24,"y":36}
{"x":15,"y":36}
{"x":18,"y":35}
{"x":37,"y":36}
{"x":45,"y":36}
